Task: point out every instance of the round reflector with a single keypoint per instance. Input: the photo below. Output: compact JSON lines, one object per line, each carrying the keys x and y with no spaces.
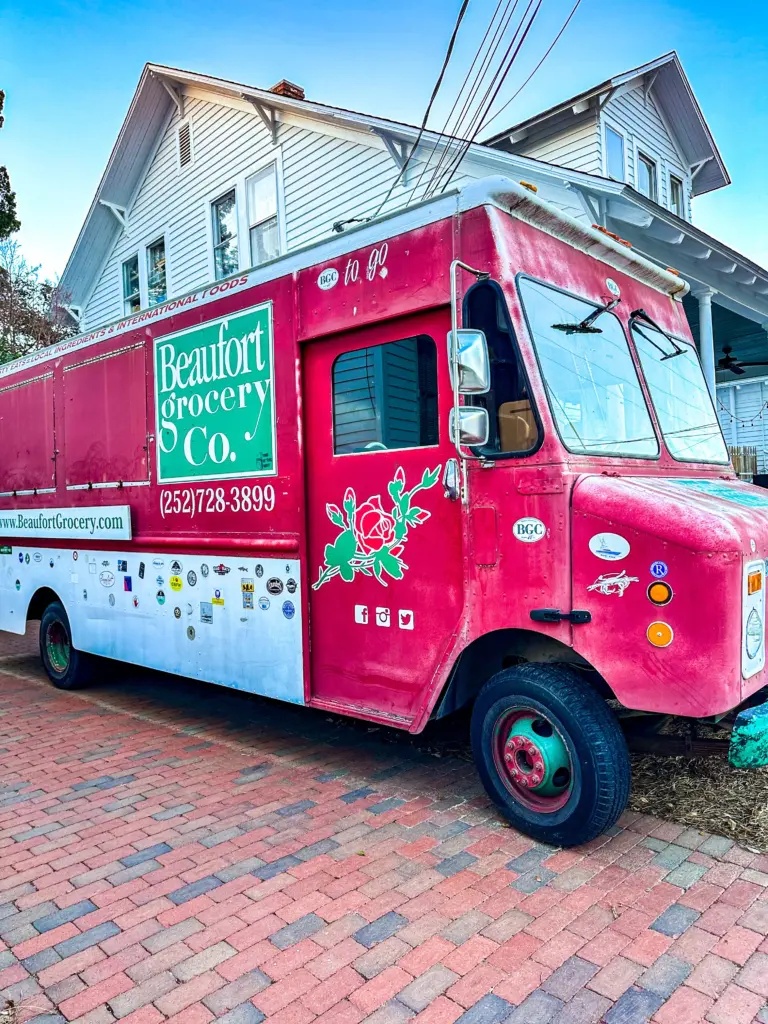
{"x":660,"y":634}
{"x":660,"y":593}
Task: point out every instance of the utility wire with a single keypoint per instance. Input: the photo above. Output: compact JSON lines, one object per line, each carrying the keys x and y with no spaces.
{"x":546,"y":54}
{"x":484,"y":107}
{"x":427,"y":112}
{"x":454,"y":135}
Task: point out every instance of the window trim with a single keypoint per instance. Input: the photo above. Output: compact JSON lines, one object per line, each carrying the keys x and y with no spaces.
{"x":162,"y":237}
{"x":633,"y":355}
{"x":515,"y":336}
{"x":272,"y":162}
{"x":682,"y":178}
{"x":680,"y":340}
{"x":385,"y":451}
{"x":222,"y":194}
{"x":643,"y":152}
{"x":623,"y":136}
{"x":136,"y":254}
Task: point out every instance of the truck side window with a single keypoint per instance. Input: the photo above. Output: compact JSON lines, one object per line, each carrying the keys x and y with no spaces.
{"x":385,"y":397}
{"x":514,"y":426}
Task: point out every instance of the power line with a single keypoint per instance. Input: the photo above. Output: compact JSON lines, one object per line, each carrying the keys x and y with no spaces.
{"x":551,"y":47}
{"x":427,"y":112}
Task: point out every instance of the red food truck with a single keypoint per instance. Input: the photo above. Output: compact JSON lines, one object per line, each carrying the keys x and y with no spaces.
{"x":463,"y":455}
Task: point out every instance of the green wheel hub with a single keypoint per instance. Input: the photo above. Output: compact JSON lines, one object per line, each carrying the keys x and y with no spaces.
{"x":536,"y":758}
{"x":58,"y":647}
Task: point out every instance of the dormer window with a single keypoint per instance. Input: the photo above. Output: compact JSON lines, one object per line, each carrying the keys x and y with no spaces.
{"x":614,"y":154}
{"x":646,"y":177}
{"x":676,"y":196}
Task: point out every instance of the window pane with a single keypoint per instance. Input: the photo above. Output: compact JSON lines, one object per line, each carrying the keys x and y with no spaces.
{"x":225,"y":259}
{"x":156,"y":286}
{"x":225,"y":218}
{"x":676,"y":196}
{"x":614,"y":147}
{"x":646,"y":176}
{"x":265,"y":242}
{"x":385,"y":397}
{"x":681,"y":398}
{"x":261,"y":190}
{"x":590,"y":379}
{"x":131,"y":297}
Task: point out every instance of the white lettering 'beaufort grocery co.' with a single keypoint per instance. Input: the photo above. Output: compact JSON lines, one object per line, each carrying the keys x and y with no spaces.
{"x":108,"y":522}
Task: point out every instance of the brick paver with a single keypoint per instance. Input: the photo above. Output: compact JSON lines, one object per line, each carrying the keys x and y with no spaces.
{"x":172,"y":851}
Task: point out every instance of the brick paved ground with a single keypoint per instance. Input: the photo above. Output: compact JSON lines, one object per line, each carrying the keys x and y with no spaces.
{"x":170,"y":851}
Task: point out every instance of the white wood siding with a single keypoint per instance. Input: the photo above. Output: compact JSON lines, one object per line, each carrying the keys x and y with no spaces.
{"x":743,"y":416}
{"x":567,"y":141}
{"x":643,"y":128}
{"x":325,"y":178}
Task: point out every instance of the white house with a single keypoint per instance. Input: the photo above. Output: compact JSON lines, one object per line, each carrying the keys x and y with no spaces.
{"x":208,"y":177}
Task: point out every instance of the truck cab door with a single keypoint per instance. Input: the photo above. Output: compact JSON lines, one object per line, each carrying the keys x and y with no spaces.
{"x":385,"y":541}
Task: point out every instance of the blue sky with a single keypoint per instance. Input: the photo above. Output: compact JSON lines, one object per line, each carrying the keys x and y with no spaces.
{"x":69,"y":69}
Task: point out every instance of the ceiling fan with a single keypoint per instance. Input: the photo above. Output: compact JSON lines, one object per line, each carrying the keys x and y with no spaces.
{"x":733,"y":365}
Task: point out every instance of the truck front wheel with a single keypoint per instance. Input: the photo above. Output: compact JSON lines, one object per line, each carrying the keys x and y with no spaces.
{"x":550,"y":753}
{"x":67,"y":668}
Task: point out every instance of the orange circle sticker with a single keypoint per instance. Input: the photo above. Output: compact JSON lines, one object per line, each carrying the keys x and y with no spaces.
{"x":660,"y":634}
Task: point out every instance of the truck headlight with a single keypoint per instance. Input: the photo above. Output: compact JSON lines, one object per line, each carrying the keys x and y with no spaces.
{"x":753,"y":639}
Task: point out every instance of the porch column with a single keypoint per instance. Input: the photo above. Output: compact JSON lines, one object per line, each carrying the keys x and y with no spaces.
{"x":706,"y":337}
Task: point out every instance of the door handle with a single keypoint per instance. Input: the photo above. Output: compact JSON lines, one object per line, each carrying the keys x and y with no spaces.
{"x":576,"y":618}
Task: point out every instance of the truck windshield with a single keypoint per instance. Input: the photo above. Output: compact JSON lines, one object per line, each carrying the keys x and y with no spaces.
{"x":591,"y":381}
{"x":680,"y":397}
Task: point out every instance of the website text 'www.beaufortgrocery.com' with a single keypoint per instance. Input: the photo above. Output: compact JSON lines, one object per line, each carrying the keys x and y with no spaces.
{"x":110,"y":522}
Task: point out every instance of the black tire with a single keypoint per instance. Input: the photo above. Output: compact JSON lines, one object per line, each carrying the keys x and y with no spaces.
{"x":67,"y":668}
{"x":599,"y":758}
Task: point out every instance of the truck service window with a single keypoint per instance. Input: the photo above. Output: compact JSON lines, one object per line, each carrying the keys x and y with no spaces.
{"x":512,"y":420}
{"x":680,"y":397}
{"x":591,"y":382}
{"x":385,"y":397}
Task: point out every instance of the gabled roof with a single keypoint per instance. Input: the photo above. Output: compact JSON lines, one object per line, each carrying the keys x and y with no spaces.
{"x":673,"y":93}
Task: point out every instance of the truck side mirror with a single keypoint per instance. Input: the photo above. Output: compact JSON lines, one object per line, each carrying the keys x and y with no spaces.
{"x":473,"y":426}
{"x":470,"y":359}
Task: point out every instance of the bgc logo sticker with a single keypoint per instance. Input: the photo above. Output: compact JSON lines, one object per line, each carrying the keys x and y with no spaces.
{"x":529,"y":530}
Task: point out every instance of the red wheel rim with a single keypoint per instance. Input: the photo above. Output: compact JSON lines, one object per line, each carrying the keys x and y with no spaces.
{"x":532,"y":759}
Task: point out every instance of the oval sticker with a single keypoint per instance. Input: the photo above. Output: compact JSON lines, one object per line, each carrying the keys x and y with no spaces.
{"x":328,"y":278}
{"x":609,"y":546}
{"x":106,"y":578}
{"x":529,"y":530}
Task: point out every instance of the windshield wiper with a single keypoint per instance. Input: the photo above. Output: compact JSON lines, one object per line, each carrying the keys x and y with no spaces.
{"x":640,"y":314}
{"x":585,"y":326}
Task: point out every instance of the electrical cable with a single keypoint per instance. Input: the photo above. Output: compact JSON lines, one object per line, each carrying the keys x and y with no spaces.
{"x":427,"y":112}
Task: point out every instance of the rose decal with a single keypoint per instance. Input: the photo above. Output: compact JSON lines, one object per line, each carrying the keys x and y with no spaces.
{"x":372,"y":540}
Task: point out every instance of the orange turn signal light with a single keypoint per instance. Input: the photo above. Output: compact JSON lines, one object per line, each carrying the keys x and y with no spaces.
{"x":754,"y":582}
{"x":660,"y":634}
{"x":660,"y":593}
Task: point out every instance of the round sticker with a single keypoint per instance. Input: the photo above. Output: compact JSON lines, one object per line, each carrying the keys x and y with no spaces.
{"x":158,"y":563}
{"x":160,"y":597}
{"x":659,"y":570}
{"x":26,"y":558}
{"x":529,"y":530}
{"x":176,"y":583}
{"x":274,"y":586}
{"x":112,"y":600}
{"x":609,"y":546}
{"x":612,"y":287}
{"x":191,"y":578}
{"x":85,"y":595}
{"x":259,"y":570}
{"x":38,"y":557}
{"x":288,"y":609}
{"x":204,"y":570}
{"x":18,"y":584}
{"x":290,"y":586}
{"x":191,"y":632}
{"x":135,"y":602}
{"x":107,"y":578}
{"x":177,"y":612}
{"x":51,"y":563}
{"x":263,"y":603}
{"x":328,"y":278}
{"x":74,"y":555}
{"x":21,"y":556}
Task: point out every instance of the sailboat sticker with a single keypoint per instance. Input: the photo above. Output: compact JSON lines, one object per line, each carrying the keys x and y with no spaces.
{"x":609,"y":546}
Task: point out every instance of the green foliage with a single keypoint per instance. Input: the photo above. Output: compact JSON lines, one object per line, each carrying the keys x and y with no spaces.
{"x":9,"y":222}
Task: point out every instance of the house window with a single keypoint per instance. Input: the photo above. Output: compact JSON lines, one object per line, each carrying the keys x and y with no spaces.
{"x":261,"y":194}
{"x":676,"y":196}
{"x":646,"y":177}
{"x":385,"y":397}
{"x":224,"y":212}
{"x":131,"y":288}
{"x":614,"y":154}
{"x":157,"y":290}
